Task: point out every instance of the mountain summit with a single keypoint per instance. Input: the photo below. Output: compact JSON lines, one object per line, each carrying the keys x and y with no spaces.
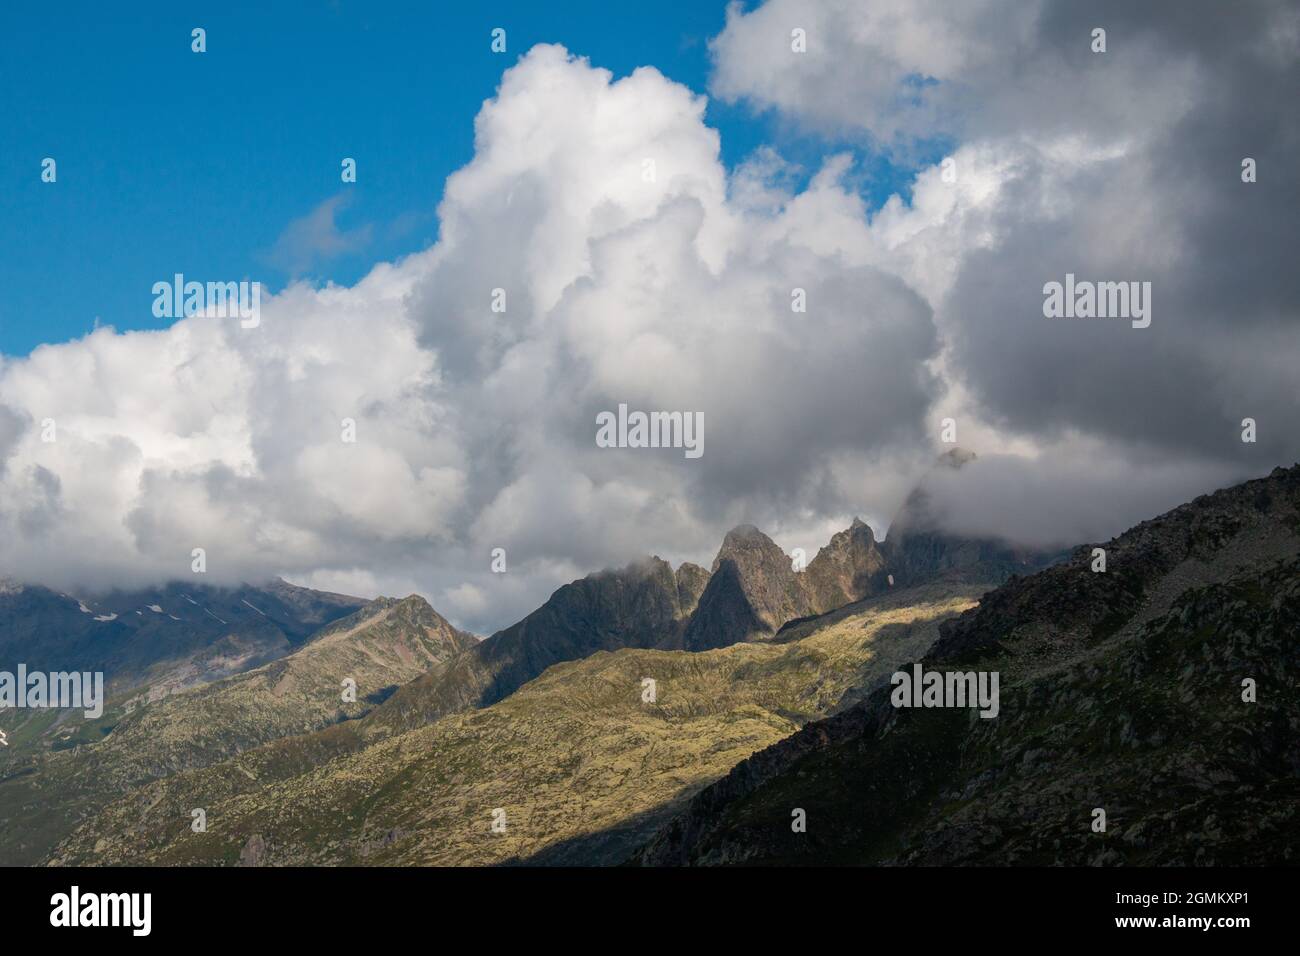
{"x":645,"y":604}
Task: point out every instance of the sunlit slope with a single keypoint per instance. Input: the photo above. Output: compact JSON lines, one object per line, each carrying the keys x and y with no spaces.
{"x":42,"y":794}
{"x":580,"y":765}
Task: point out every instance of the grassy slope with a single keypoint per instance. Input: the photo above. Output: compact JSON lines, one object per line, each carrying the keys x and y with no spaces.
{"x":572,"y":756}
{"x":44,"y":794}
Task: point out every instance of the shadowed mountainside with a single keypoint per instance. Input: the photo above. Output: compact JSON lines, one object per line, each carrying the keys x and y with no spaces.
{"x":1121,"y":690}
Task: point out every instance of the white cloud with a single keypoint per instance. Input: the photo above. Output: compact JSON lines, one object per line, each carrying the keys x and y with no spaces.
{"x":475,"y":429}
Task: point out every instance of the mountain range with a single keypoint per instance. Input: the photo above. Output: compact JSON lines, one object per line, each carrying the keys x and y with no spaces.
{"x":680,"y":716}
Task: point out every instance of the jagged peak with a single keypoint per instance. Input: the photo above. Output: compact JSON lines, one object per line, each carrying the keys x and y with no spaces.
{"x":419,"y":606}
{"x":746,"y":536}
{"x":857,"y":528}
{"x":745,"y":540}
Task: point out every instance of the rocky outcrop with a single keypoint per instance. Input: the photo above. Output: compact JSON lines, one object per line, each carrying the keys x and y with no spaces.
{"x":755,"y":589}
{"x":752,"y":591}
{"x":851,"y":567}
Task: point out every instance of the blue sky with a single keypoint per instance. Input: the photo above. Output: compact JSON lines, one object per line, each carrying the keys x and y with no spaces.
{"x":171,"y":161}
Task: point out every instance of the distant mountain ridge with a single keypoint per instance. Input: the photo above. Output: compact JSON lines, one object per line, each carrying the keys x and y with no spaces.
{"x":582,"y":765}
{"x":170,"y":637}
{"x":754,"y":588}
{"x":921,"y":548}
{"x":754,"y":591}
{"x":385,"y":643}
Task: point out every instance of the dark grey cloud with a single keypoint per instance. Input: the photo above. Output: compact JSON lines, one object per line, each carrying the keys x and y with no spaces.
{"x":1171,"y":209}
{"x":1122,"y":165}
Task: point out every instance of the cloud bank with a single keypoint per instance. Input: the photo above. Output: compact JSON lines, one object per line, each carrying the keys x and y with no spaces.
{"x":596,"y":251}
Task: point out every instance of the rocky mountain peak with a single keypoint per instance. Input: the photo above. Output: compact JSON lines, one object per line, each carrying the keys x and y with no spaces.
{"x":848,"y":569}
{"x":752,"y":592}
{"x":745,"y":540}
{"x":691,"y":582}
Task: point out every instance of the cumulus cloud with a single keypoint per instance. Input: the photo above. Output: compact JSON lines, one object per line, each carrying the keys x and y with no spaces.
{"x":210,"y":435}
{"x":1123,"y":165}
{"x":598,"y":212}
{"x":634,"y":268}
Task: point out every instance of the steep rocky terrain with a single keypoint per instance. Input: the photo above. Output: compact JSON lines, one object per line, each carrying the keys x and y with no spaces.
{"x":754,"y":590}
{"x":644,"y":605}
{"x":849,"y":568}
{"x":583,"y":766}
{"x":412,"y":670}
{"x":1121,"y":691}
